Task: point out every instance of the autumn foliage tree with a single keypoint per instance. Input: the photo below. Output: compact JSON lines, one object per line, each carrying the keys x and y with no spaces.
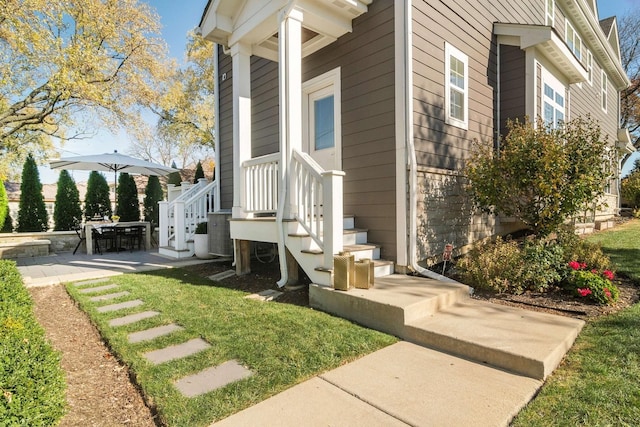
{"x":629,"y":32}
{"x":630,"y":186}
{"x":67,"y":66}
{"x":541,"y":175}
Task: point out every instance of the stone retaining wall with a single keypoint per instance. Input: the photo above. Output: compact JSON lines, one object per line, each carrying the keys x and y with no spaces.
{"x":17,"y":245}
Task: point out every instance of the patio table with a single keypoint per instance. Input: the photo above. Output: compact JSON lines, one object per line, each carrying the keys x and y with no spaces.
{"x":89,"y":225}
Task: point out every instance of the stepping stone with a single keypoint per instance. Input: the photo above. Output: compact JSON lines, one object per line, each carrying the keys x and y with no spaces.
{"x":267,"y":295}
{"x":221,"y":276}
{"x":177,"y":351}
{"x":132,"y":318}
{"x":212,"y":378}
{"x":90,"y":282}
{"x":120,"y":306}
{"x":149,"y":334}
{"x":98,"y":289}
{"x":109,"y":296}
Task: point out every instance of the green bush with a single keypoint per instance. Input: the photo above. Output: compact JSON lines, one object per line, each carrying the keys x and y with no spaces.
{"x":492,"y":265}
{"x":543,"y":264}
{"x":31,"y":380}
{"x":32,"y":213}
{"x":577,"y":248}
{"x":591,"y":285}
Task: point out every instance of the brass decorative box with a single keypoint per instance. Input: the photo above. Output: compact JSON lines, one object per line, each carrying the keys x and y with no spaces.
{"x":343,"y":271}
{"x":364,"y":270}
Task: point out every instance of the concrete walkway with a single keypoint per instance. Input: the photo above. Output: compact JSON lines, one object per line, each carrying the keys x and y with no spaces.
{"x":403,"y":384}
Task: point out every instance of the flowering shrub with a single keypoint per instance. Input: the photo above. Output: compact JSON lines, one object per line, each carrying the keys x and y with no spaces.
{"x":592,"y":284}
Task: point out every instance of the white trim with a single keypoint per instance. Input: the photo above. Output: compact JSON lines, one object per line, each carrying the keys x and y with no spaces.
{"x":576,"y":41}
{"x":449,"y":52}
{"x":604,"y":91}
{"x":589,"y":66}
{"x":558,"y":88}
{"x":403,"y":122}
{"x":216,"y":118}
{"x":330,"y":81}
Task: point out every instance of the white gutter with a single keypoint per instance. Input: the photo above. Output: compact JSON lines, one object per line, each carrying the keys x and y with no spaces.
{"x":412,"y":160}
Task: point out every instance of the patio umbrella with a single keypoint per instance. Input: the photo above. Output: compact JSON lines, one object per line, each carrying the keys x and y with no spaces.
{"x":111,"y":162}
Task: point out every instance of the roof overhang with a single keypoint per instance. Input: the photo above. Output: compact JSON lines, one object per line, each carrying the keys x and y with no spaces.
{"x":256,"y":22}
{"x":546,"y":41}
{"x":623,"y":144}
{"x":591,"y":32}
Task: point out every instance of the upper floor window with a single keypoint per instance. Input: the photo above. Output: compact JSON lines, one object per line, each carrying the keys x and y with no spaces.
{"x":603,"y":91}
{"x":589,"y":65}
{"x":573,"y":40}
{"x":553,"y":100}
{"x":550,"y":11}
{"x":456,"y":87}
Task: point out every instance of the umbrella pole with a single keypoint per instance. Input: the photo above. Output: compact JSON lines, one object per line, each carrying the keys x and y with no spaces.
{"x":115,"y":191}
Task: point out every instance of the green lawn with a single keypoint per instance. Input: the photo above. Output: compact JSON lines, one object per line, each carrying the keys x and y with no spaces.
{"x":281,"y":344}
{"x":598,"y":384}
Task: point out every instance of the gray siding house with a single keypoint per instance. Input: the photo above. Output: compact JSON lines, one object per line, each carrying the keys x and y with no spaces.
{"x":368,"y":108}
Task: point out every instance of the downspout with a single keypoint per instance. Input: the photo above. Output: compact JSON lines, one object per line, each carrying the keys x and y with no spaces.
{"x":412,"y":160}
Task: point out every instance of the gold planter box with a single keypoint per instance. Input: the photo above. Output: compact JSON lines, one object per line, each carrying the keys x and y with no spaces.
{"x":343,"y":271}
{"x":364,"y":269}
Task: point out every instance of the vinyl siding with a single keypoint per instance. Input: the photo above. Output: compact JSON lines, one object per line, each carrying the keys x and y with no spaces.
{"x":366,"y":61}
{"x":512,"y":90}
{"x":225,"y":133}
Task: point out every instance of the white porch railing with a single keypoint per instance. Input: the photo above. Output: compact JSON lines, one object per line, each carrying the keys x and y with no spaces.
{"x":179,"y":218}
{"x":261,"y":176}
{"x":315,"y":197}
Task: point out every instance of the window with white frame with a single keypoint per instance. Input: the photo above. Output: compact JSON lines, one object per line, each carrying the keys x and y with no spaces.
{"x":553,"y":100}
{"x":573,"y":40}
{"x":589,"y":65}
{"x":549,"y":12}
{"x":603,"y":91}
{"x":456,"y":87}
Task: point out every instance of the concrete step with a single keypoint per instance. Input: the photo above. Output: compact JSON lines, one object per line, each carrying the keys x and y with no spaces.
{"x":441,"y":315}
{"x":393,"y":301}
{"x":522,"y":341}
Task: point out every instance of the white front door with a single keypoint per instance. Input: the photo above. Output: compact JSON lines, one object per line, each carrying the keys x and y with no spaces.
{"x":321,"y":120}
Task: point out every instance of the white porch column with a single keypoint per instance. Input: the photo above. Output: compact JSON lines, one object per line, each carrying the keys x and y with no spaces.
{"x":290,"y":76}
{"x":241,"y":61}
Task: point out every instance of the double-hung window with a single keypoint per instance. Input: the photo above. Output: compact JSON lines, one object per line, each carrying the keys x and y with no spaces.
{"x":603,"y":91}
{"x":549,"y":12}
{"x":456,"y":87}
{"x":574,"y":42}
{"x":589,"y":65}
{"x":553,"y":100}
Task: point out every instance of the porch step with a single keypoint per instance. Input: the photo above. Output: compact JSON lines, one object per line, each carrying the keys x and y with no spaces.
{"x":381,"y":268}
{"x":441,"y":315}
{"x":365,"y":250}
{"x":171,"y":252}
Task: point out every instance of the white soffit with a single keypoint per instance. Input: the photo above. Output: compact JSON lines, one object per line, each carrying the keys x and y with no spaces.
{"x":256,"y":22}
{"x":546,"y":41}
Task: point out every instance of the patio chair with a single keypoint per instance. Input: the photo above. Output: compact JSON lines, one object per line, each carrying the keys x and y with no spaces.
{"x":81,"y":238}
{"x":134,"y":237}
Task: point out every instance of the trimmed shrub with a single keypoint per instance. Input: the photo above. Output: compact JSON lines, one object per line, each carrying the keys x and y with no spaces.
{"x":31,"y":380}
{"x":174,"y":177}
{"x":96,"y":201}
{"x":577,"y":248}
{"x":4,"y":203}
{"x":67,"y":212}
{"x":32,"y":213}
{"x":128,"y":206}
{"x":7,"y":227}
{"x":152,"y":195}
{"x":543,"y":262}
{"x":199,"y":173}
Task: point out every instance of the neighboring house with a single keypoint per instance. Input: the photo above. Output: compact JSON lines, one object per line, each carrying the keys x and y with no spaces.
{"x":389,"y":94}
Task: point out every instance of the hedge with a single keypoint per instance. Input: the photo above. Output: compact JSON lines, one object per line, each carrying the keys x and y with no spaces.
{"x":32,"y":386}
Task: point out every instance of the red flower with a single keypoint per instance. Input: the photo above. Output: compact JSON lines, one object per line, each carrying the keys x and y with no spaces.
{"x":583,"y":265}
{"x":608,"y":274}
{"x":607,"y":292}
{"x":574,"y":265}
{"x":584,"y":292}
{"x":594,"y":271}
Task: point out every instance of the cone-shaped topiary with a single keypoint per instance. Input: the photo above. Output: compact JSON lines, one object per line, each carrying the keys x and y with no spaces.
{"x":67,"y":212}
{"x":96,"y":202}
{"x":174,"y":177}
{"x":199,"y":173}
{"x":152,"y":195}
{"x":32,"y":213}
{"x":128,"y":208}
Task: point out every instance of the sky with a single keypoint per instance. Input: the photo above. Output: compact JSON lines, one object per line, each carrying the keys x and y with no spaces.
{"x":177,"y":19}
